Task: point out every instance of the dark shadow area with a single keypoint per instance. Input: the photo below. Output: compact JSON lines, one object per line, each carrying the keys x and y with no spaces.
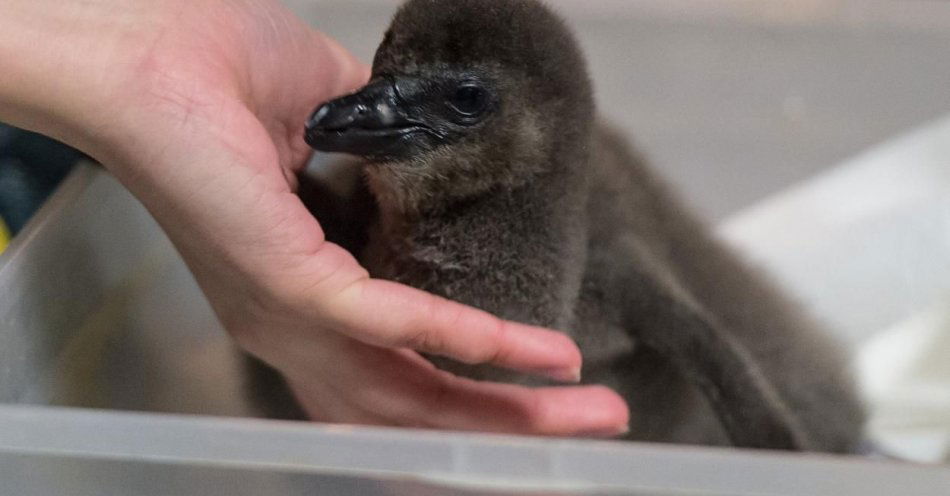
{"x":31,"y":166}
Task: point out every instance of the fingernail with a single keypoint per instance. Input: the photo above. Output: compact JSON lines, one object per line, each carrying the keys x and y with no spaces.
{"x":571,"y":374}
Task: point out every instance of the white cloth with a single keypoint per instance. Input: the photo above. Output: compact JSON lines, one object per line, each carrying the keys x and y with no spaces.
{"x":866,"y":247}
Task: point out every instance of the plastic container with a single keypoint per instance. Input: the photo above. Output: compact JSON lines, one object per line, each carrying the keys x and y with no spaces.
{"x":99,"y":318}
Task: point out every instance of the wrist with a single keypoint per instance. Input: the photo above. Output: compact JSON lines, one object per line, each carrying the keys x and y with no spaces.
{"x":58,"y":62}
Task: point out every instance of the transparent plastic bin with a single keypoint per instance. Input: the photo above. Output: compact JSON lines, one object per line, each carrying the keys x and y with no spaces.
{"x":50,"y":452}
{"x":99,"y":312}
{"x":115,"y":377}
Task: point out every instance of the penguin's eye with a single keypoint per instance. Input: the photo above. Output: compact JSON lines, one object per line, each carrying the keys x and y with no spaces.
{"x":469,"y":99}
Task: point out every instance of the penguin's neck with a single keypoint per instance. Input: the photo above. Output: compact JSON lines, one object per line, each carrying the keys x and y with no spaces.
{"x":417,"y":227}
{"x":413,"y":207}
{"x":524,"y":239}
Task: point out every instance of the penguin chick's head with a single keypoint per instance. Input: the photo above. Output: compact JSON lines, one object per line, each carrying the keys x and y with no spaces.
{"x":466,"y":96}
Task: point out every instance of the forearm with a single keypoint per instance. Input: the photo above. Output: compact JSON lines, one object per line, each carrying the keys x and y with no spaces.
{"x":58,"y":62}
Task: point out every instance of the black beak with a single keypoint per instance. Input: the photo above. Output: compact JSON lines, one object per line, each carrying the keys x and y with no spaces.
{"x":374,"y":122}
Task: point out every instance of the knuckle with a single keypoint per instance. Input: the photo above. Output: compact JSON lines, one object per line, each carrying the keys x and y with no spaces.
{"x":491,"y":349}
{"x":421,"y":339}
{"x":498,"y":350}
{"x":421,"y":335}
{"x":439,"y":407}
{"x":440,"y":394}
{"x":537,"y":415}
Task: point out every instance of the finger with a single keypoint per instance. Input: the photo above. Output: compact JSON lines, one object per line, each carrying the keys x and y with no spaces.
{"x":350,"y":72}
{"x":594,"y":411}
{"x":401,"y":388}
{"x":336,"y":74}
{"x":326,"y":403}
{"x":391,"y":315}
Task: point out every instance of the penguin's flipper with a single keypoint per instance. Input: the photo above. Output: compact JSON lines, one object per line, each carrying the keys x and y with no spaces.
{"x":663,"y":316}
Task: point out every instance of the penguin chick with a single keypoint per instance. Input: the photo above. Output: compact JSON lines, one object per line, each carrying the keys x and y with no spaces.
{"x":495,"y":187}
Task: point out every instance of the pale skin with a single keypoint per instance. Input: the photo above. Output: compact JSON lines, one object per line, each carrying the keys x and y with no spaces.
{"x":197,"y":107}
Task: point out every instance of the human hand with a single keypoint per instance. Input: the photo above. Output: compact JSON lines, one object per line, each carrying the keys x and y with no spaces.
{"x":197,"y":106}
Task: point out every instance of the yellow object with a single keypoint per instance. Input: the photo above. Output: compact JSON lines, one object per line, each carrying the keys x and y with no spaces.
{"x":4,"y":236}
